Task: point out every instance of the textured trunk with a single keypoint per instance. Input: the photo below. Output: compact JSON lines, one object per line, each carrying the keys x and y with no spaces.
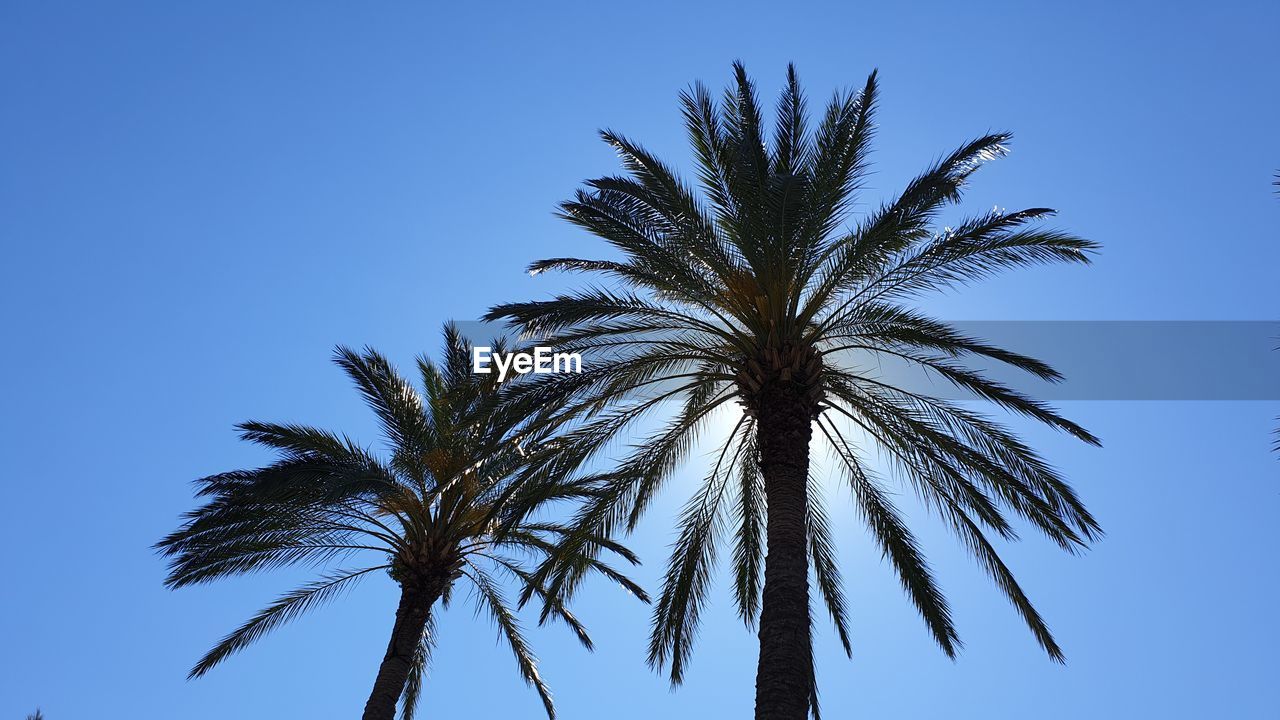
{"x":784,"y":675}
{"x":411,"y":620}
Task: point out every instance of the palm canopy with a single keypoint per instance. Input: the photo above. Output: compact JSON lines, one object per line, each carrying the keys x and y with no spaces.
{"x":454,"y":500}
{"x":753,"y":287}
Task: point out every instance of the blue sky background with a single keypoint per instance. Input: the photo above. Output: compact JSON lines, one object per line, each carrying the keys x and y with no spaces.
{"x":197,"y":201}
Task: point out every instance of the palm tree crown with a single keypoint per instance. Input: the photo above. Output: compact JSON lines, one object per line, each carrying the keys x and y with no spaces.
{"x":453,"y":501}
{"x":759,"y":287}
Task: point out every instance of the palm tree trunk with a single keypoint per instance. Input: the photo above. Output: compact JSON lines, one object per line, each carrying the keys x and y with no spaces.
{"x":411,"y":619}
{"x":784,"y":676}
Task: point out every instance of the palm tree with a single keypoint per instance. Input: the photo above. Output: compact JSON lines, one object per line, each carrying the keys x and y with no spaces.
{"x":453,"y":501}
{"x":759,"y":287}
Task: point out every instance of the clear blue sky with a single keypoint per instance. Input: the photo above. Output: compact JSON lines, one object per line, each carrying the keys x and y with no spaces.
{"x":197,"y":201}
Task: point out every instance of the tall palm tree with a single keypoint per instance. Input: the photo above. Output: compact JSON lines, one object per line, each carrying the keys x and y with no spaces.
{"x":760,"y":287}
{"x":453,"y":501}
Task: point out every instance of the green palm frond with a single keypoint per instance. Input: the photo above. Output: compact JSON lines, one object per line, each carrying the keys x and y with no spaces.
{"x":826,"y":568}
{"x":494,"y":602}
{"x":688,"y":579}
{"x":418,"y":672}
{"x":749,"y":539}
{"x":286,"y":608}
{"x":896,"y":541}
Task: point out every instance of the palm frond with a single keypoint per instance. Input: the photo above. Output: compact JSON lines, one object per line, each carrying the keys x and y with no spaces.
{"x":898,"y":544}
{"x":418,"y":671}
{"x":494,"y":602}
{"x":826,"y":569}
{"x":287,"y":607}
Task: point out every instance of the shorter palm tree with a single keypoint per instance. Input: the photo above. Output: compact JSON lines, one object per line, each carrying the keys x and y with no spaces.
{"x":459,"y":498}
